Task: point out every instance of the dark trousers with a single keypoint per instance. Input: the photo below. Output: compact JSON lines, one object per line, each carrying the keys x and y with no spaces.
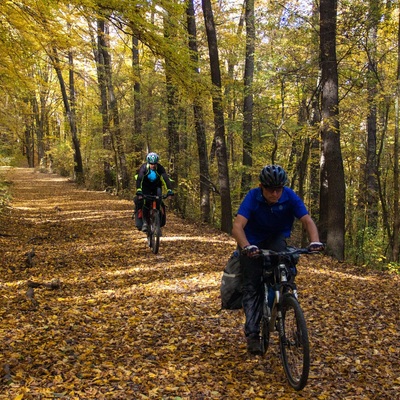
{"x":253,"y":289}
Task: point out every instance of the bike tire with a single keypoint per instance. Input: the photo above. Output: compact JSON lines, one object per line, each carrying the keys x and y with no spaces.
{"x":155,"y":232}
{"x":264,"y":330}
{"x":293,"y":342}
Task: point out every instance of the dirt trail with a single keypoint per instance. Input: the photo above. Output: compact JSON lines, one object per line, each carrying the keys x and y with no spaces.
{"x":128,"y":324}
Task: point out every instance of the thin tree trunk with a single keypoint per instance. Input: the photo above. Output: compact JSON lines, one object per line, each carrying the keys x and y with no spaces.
{"x":172,"y":110}
{"x":137,"y":112}
{"x":42,"y":131}
{"x":38,"y":128}
{"x":372,"y":81}
{"x":229,"y":93}
{"x":29,"y":138}
{"x":69,"y":106}
{"x":382,"y":178}
{"x":396,"y":154}
{"x":114,"y":114}
{"x":315,"y":148}
{"x":109,"y":181}
{"x":219,"y":136}
{"x":333,"y":186}
{"x":74,"y":129}
{"x":199,"y":122}
{"x":248,"y":99}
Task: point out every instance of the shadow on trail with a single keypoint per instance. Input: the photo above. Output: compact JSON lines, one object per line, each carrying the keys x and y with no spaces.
{"x":130,"y":324}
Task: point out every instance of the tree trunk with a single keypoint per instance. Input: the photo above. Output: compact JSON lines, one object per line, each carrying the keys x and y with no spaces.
{"x":29,"y":141}
{"x":371,"y":170}
{"x":248,"y":99}
{"x":315,"y":148}
{"x":172,"y":110}
{"x":333,"y":185}
{"x":69,"y":106}
{"x":114,"y":114}
{"x":229,"y":92}
{"x":38,"y":127}
{"x":137,"y":112}
{"x":219,"y":136}
{"x":396,"y":154}
{"x":109,"y":181}
{"x":42,"y":131}
{"x":78,"y":167}
{"x":199,"y":122}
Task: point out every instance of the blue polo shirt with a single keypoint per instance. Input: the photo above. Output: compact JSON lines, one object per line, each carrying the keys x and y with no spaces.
{"x":267,"y":221}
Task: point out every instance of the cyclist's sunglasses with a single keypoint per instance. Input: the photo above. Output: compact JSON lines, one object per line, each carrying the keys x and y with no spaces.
{"x":272,"y":189}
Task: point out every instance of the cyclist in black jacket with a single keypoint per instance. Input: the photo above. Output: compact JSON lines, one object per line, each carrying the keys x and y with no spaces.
{"x":151,"y":176}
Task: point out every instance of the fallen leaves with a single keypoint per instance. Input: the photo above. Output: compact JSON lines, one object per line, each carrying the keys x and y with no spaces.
{"x":126,"y":324}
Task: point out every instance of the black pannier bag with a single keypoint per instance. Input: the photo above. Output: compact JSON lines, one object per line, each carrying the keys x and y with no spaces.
{"x":231,"y":284}
{"x":138,"y":215}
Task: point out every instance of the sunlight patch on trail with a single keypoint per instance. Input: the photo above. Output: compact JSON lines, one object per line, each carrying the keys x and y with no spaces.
{"x":148,"y":268}
{"x":172,"y":238}
{"x":342,"y":275}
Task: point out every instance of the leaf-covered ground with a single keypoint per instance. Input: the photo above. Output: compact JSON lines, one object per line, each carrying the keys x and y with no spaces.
{"x":128,"y":324}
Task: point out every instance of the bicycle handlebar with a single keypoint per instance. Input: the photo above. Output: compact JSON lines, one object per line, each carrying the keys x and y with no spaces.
{"x":155,"y":197}
{"x":293,"y":251}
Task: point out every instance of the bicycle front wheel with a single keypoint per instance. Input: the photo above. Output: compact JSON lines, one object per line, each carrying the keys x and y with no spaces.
{"x":264,"y":329}
{"x":155,"y":232}
{"x":149,"y":238}
{"x":293,"y":342}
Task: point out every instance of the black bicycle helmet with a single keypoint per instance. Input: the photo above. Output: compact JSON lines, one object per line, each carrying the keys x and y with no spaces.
{"x":273,"y":176}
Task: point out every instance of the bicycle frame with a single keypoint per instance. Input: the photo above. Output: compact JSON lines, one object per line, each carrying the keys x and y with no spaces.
{"x":286,"y":317}
{"x":154,"y":220}
{"x":280,"y":284}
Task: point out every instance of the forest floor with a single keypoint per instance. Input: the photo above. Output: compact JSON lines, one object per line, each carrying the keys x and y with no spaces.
{"x":127,"y":324}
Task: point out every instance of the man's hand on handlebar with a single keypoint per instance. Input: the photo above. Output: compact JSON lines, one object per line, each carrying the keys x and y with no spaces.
{"x":316,"y":246}
{"x":251,"y":251}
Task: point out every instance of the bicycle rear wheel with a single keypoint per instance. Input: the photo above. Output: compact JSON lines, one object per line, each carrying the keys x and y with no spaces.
{"x":155,"y":232}
{"x":293,"y":343}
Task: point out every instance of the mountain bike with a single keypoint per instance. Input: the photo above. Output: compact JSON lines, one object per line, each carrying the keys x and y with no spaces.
{"x":154,"y":219}
{"x":282,"y":312}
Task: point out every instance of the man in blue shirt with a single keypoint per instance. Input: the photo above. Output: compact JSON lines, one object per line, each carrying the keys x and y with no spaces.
{"x":264,"y":221}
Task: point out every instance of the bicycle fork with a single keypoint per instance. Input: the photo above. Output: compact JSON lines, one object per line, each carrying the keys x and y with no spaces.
{"x":153,"y":210}
{"x":275,"y":315}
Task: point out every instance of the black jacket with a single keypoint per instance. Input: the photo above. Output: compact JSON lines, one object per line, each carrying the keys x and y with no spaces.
{"x":147,"y":186}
